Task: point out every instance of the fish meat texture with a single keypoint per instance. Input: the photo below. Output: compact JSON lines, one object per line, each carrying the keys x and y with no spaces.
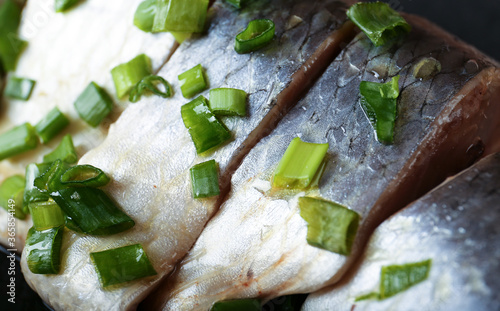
{"x":148,"y":151}
{"x":65,"y":52}
{"x":456,"y":226}
{"x":255,"y":246}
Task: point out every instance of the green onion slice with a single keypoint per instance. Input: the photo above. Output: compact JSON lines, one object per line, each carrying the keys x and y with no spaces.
{"x":150,"y":83}
{"x":32,"y":193}
{"x":258,"y":34}
{"x":53,"y":123}
{"x":43,"y":250}
{"x":84,"y":176}
{"x":94,"y":104}
{"x":19,"y":88}
{"x":50,"y":180}
{"x":378,"y":21}
{"x":10,"y":50}
{"x":227,"y":101}
{"x":92,"y":211}
{"x":426,"y":68}
{"x":120,"y":265}
{"x":240,"y":305}
{"x":205,"y":179}
{"x":192,"y":81}
{"x":11,"y":195}
{"x":379,"y":101}
{"x":46,"y":215}
{"x":127,"y":75}
{"x":18,"y":140}
{"x":205,"y":129}
{"x":181,"y":36}
{"x":180,"y":15}
{"x":10,"y":17}
{"x":64,"y":5}
{"x":397,"y":278}
{"x":299,"y":165}
{"x":236,"y":3}
{"x":65,"y":151}
{"x":71,"y":225}
{"x":330,"y":226}
{"x":145,"y":14}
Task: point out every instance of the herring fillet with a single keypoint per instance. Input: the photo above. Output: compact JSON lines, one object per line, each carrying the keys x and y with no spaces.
{"x":148,"y":151}
{"x":255,"y":246}
{"x":455,"y":225}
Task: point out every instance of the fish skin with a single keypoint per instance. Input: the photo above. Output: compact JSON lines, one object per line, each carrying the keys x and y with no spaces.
{"x":150,"y":140}
{"x":256,"y":245}
{"x":455,"y":225}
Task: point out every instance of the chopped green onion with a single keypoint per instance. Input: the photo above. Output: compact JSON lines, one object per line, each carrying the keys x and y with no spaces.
{"x":65,"y":151}
{"x":258,"y":34}
{"x":127,"y":75}
{"x":46,"y":215}
{"x":31,"y":193}
{"x":53,"y":123}
{"x":236,"y":3}
{"x":50,"y":180}
{"x":180,"y":15}
{"x":94,"y":104}
{"x":226,"y":101}
{"x":378,"y":21}
{"x":240,"y":305}
{"x":192,"y":81}
{"x":10,"y":17}
{"x":205,"y":129}
{"x":43,"y":250}
{"x":11,"y":195}
{"x":397,"y":278}
{"x":145,"y":14}
{"x":19,"y":88}
{"x":181,"y":36}
{"x":92,"y":211}
{"x":149,"y":83}
{"x":378,"y":101}
{"x":330,"y":226}
{"x":120,"y":265}
{"x":426,"y":68}
{"x":369,"y":296}
{"x":71,"y":225}
{"x":205,"y":179}
{"x":84,"y":176}
{"x":10,"y":50}
{"x":18,"y":140}
{"x":64,"y":5}
{"x":299,"y":165}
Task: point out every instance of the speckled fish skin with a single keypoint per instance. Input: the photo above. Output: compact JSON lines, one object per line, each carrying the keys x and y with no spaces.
{"x":148,"y":151}
{"x":455,"y":225}
{"x":256,"y":245}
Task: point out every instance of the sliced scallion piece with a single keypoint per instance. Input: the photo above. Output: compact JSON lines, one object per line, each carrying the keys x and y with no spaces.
{"x":299,"y":165}
{"x":150,"y":83}
{"x":53,"y":123}
{"x":65,"y":151}
{"x":10,"y":50}
{"x":10,"y":17}
{"x":50,"y":180}
{"x":94,"y":104}
{"x":84,"y":176}
{"x":43,"y":250}
{"x":397,"y":278}
{"x":18,"y":140}
{"x":71,"y":225}
{"x":205,"y":129}
{"x":205,"y":179}
{"x":240,"y":305}
{"x":227,"y":101}
{"x":92,"y":210}
{"x":64,"y":5}
{"x":180,"y":36}
{"x":19,"y":88}
{"x":11,"y":195}
{"x":180,"y":15}
{"x":330,"y":226}
{"x":378,"y":21}
{"x":145,"y":14}
{"x":236,"y":3}
{"x":379,"y":101}
{"x":258,"y":34}
{"x":120,"y":265}
{"x":127,"y":75}
{"x":31,"y":193}
{"x":192,"y":81}
{"x":46,"y":215}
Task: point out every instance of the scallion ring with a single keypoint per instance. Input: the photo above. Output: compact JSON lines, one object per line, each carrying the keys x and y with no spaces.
{"x":258,"y":33}
{"x":150,"y":83}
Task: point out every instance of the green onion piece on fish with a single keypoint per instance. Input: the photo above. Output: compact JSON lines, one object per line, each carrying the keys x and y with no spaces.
{"x":205,"y":129}
{"x":379,"y":101}
{"x":227,"y":101}
{"x":11,"y":195}
{"x":426,"y":68}
{"x":258,"y":33}
{"x":51,"y":125}
{"x":369,"y":296}
{"x":397,"y":278}
{"x":84,"y":176}
{"x":94,"y":104}
{"x":10,"y":44}
{"x":92,"y":211}
{"x":18,"y":140}
{"x":120,"y":265}
{"x":180,"y":15}
{"x":299,"y":165}
{"x":43,"y":250}
{"x":127,"y":75}
{"x":65,"y":151}
{"x":236,"y":3}
{"x":181,"y":36}
{"x":46,"y":215}
{"x":378,"y":21}
{"x":10,"y":17}
{"x":19,"y":88}
{"x":192,"y":81}
{"x":205,"y":179}
{"x":330,"y":226}
{"x":50,"y":180}
{"x":71,"y":225}
{"x":240,"y":305}
{"x":150,"y":83}
{"x":64,"y":5}
{"x":31,"y":193}
{"x":145,"y":15}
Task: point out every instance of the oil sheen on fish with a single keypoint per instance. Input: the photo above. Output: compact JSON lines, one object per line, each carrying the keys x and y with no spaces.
{"x":456,"y":226}
{"x":256,"y":245}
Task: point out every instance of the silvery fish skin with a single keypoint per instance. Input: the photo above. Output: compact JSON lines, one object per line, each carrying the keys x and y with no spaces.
{"x":256,"y":245}
{"x":148,"y":151}
{"x":65,"y":52}
{"x":455,"y":225}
